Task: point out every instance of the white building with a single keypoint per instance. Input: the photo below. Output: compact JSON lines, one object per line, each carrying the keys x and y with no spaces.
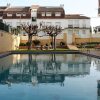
{"x":72,"y":24}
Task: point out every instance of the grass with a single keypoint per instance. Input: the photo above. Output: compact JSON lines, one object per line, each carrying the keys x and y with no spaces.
{"x":50,"y":50}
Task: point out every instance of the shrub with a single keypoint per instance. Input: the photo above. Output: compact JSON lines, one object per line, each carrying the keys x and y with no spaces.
{"x":22,"y":44}
{"x":27,"y":43}
{"x":62,"y":43}
{"x":36,"y":42}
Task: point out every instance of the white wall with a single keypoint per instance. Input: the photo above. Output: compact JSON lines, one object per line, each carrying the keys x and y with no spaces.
{"x":8,"y":41}
{"x":16,"y":22}
{"x":34,"y":13}
{"x":63,"y":22}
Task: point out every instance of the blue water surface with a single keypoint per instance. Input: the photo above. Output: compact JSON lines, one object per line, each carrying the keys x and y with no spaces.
{"x":49,"y":77}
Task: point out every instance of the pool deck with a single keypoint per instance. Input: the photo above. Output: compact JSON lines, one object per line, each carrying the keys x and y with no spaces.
{"x":4,"y":54}
{"x":92,"y":53}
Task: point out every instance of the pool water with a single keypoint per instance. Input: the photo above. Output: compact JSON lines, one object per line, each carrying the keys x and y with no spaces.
{"x":49,"y":77}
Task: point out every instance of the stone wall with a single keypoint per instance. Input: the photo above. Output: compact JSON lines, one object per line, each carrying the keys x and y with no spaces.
{"x":8,"y":41}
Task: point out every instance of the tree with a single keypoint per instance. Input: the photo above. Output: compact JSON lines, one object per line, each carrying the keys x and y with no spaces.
{"x":52,"y":31}
{"x":15,"y":31}
{"x":31,"y":30}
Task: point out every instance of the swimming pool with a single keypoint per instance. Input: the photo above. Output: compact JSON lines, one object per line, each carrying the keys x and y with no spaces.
{"x":49,"y":77}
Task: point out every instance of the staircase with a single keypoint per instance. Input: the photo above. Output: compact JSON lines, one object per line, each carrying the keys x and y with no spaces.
{"x":72,"y":47}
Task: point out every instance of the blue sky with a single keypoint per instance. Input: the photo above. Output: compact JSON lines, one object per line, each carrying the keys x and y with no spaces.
{"x":85,"y":7}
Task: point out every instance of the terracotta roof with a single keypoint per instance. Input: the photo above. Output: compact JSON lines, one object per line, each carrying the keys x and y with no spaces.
{"x":76,"y":16}
{"x":18,"y":9}
{"x":51,"y":9}
{"x":2,"y":8}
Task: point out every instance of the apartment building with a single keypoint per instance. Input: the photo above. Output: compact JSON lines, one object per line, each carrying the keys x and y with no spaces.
{"x":71,"y":23}
{"x":52,"y":15}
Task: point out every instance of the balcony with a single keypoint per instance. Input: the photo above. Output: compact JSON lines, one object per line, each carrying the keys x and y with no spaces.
{"x":33,"y":19}
{"x":76,"y":26}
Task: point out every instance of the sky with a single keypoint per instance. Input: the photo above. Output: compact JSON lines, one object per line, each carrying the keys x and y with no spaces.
{"x":84,"y":7}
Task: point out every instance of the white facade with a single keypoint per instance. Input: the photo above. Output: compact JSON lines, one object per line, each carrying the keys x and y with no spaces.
{"x":16,"y":22}
{"x":81,"y":23}
{"x":80,"y":26}
{"x":82,"y":30}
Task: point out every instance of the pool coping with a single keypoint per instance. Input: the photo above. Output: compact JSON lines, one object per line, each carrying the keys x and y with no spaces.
{"x":48,"y":52}
{"x":91,"y":55}
{"x":45,"y":52}
{"x":4,"y":54}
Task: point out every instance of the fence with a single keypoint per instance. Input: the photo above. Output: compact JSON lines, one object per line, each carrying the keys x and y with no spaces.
{"x":4,"y":27}
{"x":85,"y":40}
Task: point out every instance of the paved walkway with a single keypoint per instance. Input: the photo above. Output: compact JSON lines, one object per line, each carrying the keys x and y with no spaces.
{"x":93,"y":53}
{"x":3,"y":54}
{"x":72,"y":47}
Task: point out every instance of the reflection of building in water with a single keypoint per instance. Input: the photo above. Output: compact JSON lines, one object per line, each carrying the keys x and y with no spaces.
{"x":58,"y":57}
{"x":98,"y":91}
{"x":48,"y":69}
{"x":95,"y":63}
{"x":5,"y":63}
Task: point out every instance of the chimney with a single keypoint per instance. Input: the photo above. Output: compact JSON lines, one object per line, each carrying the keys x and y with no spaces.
{"x":62,"y":5}
{"x":98,"y":3}
{"x":8,"y":5}
{"x":99,"y":7}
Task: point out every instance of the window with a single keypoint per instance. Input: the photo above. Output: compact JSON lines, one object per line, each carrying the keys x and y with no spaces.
{"x":24,"y":14}
{"x":57,"y":23}
{"x":9,"y":15}
{"x":43,"y":14}
{"x":76,"y":31}
{"x":9,"y":23}
{"x":24,"y":23}
{"x":76,"y":23}
{"x":70,"y":32}
{"x":48,"y":13}
{"x":70,"y":23}
{"x":48,"y":23}
{"x":18,"y":23}
{"x":98,"y":29}
{"x":84,"y":24}
{"x":43,"y":23}
{"x":84,"y":31}
{"x":58,"y":14}
{"x":33,"y":19}
{"x":18,"y":14}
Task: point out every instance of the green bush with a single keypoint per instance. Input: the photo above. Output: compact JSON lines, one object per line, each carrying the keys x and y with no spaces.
{"x":22,"y":44}
{"x":88,"y":45}
{"x":62,"y":43}
{"x":36,"y":42}
{"x":27,"y":43}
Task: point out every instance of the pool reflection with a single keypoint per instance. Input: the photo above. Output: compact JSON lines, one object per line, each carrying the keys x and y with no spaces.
{"x":45,"y":68}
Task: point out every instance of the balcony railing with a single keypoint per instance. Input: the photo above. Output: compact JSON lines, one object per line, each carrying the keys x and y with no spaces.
{"x":70,"y":26}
